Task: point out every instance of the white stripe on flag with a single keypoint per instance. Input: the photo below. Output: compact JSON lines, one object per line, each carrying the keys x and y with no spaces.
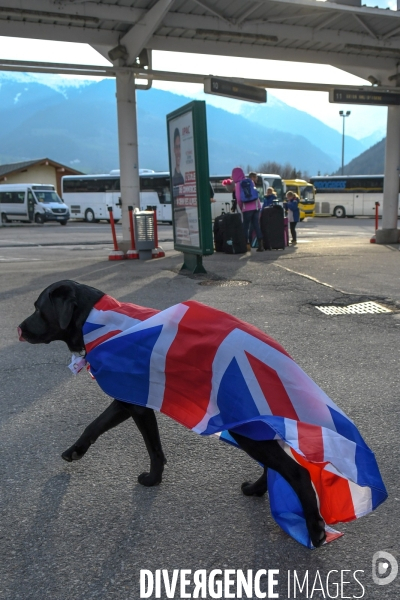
{"x":110,"y":320}
{"x":342,"y":452}
{"x":291,"y":434}
{"x":362,"y":499}
{"x":158,"y":356}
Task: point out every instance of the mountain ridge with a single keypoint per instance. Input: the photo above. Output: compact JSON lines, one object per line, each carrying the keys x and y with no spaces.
{"x":78,"y":126}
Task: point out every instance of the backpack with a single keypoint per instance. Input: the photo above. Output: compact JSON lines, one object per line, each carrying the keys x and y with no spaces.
{"x":248,"y":192}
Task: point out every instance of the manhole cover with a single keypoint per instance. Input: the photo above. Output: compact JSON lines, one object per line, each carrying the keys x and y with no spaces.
{"x":224,"y":283}
{"x":361,"y":308}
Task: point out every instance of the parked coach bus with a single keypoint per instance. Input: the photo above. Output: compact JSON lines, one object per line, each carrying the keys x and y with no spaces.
{"x":348,"y":196}
{"x":89,"y":196}
{"x":306,"y":193}
{"x":223,"y":198}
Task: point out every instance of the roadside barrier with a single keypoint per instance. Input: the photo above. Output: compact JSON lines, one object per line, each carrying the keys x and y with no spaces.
{"x":132,"y":253}
{"x":373,"y":239}
{"x":115,"y":254}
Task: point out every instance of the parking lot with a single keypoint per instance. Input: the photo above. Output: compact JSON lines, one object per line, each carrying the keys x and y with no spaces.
{"x":85,"y":530}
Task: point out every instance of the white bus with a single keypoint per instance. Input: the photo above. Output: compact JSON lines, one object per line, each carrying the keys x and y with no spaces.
{"x":89,"y":196}
{"x":223,"y":198}
{"x":32,"y":203}
{"x":348,"y":195}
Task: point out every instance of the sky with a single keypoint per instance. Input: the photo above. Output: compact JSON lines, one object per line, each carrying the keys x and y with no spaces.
{"x":362,"y":122}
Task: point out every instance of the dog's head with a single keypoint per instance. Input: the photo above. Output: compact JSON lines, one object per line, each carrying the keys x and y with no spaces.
{"x":60,"y":312}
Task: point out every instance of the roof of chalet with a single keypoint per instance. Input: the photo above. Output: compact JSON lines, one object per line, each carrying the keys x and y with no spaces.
{"x":24,"y":165}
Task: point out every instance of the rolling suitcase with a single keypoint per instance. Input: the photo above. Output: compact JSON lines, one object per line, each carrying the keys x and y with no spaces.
{"x":233,"y":234}
{"x":218,"y":233}
{"x":272,"y":227}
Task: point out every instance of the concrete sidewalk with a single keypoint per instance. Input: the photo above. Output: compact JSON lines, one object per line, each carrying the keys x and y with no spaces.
{"x":84,"y":530}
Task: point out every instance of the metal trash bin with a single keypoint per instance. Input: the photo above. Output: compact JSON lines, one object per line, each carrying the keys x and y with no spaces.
{"x":144,"y":233}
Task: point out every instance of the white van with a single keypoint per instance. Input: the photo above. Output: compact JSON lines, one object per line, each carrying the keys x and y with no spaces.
{"x":31,"y":202}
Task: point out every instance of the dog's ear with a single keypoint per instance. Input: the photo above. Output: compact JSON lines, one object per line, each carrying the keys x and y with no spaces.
{"x":63,"y":299}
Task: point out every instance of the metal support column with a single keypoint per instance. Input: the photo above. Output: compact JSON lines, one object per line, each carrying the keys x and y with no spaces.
{"x":128,"y":149}
{"x":389,"y":234}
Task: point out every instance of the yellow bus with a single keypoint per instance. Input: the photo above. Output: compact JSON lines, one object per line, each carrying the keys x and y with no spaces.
{"x":306,"y":193}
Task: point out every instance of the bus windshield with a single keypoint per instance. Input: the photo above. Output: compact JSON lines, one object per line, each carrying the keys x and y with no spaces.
{"x":307,"y":194}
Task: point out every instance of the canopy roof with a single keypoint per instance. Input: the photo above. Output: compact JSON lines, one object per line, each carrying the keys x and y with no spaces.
{"x":361,"y":40}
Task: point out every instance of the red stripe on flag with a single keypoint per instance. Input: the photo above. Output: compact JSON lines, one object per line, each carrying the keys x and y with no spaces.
{"x":272,"y":388}
{"x":131,"y":310}
{"x":311,"y":442}
{"x":101,"y":339}
{"x":188,"y":367}
{"x":333,"y":491}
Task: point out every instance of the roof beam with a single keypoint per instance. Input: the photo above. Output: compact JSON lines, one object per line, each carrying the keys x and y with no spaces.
{"x":66,"y":68}
{"x":365,"y":26}
{"x":58,"y":33}
{"x":283,"y":31}
{"x":390,"y":33}
{"x":271,"y":52}
{"x":327,"y":21}
{"x":137,"y":37}
{"x":247,"y":13}
{"x":328,"y":6}
{"x":111,"y":12}
{"x":212,"y":11}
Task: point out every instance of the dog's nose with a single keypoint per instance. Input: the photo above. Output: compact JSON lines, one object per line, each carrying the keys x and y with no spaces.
{"x":21,"y":339}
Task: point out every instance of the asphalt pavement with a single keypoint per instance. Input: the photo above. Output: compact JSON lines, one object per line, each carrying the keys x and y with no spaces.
{"x":85,"y":530}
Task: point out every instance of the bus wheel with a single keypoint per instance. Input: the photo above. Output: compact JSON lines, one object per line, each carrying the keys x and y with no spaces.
{"x":116,"y":220}
{"x":4,"y":218}
{"x":89,"y":216}
{"x":39,"y":219}
{"x":339,"y":212}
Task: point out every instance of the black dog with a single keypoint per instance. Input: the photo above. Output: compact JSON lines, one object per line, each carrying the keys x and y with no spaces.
{"x":60,"y":313}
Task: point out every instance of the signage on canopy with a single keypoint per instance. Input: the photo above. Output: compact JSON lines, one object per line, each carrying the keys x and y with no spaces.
{"x":231,"y":89}
{"x":352,"y":96}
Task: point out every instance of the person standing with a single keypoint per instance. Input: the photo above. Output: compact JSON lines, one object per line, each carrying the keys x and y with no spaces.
{"x":270,"y":197}
{"x":292,"y":206}
{"x":249,"y":204}
{"x":177,"y":177}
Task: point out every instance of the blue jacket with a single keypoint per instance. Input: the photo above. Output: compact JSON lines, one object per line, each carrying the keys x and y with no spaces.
{"x":294,"y":207}
{"x":269,"y":200}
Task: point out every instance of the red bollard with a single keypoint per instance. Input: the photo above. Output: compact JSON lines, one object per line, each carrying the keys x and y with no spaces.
{"x":377,"y":205}
{"x":157,"y":252}
{"x":115,"y":254}
{"x":132,"y":253}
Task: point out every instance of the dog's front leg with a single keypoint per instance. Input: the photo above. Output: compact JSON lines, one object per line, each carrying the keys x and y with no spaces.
{"x":146,"y":422}
{"x":115,"y":414}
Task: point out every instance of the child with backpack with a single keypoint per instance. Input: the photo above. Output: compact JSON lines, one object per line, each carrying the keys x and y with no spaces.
{"x":247,"y":198}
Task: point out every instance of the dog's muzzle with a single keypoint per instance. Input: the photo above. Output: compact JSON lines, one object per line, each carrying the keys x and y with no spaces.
{"x":21,"y":339}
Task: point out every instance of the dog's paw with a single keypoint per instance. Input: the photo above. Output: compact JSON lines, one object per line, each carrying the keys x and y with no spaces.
{"x":316,"y":529}
{"x":253,"y":489}
{"x":74,"y":453}
{"x":150,"y":479}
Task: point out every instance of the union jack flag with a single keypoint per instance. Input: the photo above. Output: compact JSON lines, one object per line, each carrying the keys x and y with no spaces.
{"x":212,"y":373}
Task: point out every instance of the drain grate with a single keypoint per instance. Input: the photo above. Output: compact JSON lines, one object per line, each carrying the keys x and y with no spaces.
{"x":224,"y":283}
{"x":361,"y":308}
